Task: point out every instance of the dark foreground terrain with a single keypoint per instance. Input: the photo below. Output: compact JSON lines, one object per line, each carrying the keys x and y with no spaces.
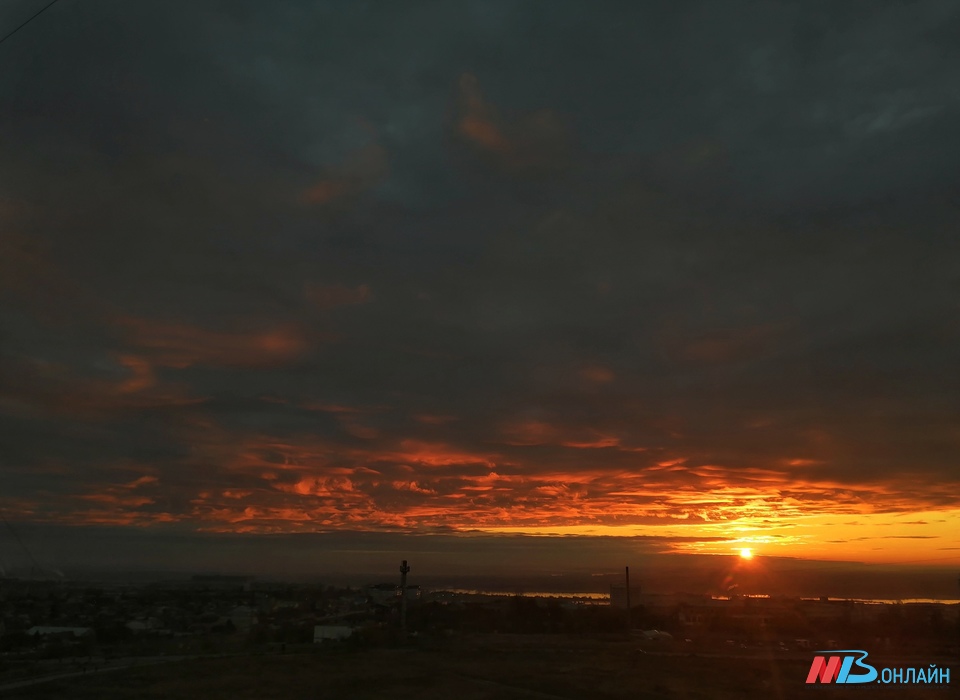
{"x":482,"y":666}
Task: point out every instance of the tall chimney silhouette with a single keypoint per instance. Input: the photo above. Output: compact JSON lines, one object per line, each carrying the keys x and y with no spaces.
{"x":629,"y":624}
{"x":404,"y":570}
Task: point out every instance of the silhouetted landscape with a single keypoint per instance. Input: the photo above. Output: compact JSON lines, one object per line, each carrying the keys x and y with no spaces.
{"x":208,"y":635}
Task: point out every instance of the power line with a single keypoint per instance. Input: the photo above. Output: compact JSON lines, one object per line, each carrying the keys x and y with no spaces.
{"x":33,"y":17}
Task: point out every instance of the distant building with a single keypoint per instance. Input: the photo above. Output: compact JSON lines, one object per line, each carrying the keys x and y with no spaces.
{"x":243,"y":618}
{"x":61,"y":632}
{"x":334,"y":632}
{"x":142,"y":625}
{"x":655,"y":635}
{"x":741,"y":612}
{"x":218,"y":582}
{"x":389,"y":593}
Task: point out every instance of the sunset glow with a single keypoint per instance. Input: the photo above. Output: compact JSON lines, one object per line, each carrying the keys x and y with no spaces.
{"x":358,"y":272}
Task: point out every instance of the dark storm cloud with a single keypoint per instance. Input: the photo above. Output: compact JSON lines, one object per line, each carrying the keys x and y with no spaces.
{"x":401,"y":265}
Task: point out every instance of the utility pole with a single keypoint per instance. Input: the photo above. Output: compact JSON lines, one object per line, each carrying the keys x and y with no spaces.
{"x":404,"y":570}
{"x":629,"y":624}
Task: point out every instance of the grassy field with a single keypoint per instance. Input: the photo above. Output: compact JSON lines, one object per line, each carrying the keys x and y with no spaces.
{"x":474,"y":667}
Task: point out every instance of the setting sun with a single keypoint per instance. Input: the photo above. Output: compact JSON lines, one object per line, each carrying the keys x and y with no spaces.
{"x":746,"y":553}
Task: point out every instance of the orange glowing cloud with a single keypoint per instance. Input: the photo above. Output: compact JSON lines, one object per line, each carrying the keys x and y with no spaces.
{"x":530,"y":432}
{"x":431,"y":419}
{"x":725,"y":344}
{"x":326,"y":191}
{"x":435,"y":455}
{"x":320,"y":486}
{"x":332,"y":296}
{"x":331,"y":407}
{"x":43,"y":388}
{"x":535,"y":432}
{"x":350,"y":418}
{"x":479,"y":120}
{"x":127,"y":496}
{"x":180,"y":345}
{"x":361,"y":170}
{"x":535,"y":141}
{"x":597,"y":374}
{"x":142,"y":375}
{"x":596,"y":441}
{"x":575,"y":481}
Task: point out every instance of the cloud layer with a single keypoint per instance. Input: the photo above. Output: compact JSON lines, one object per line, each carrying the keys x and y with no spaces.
{"x":432,"y":267}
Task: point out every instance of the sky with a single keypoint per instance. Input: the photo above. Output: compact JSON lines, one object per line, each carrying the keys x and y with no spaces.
{"x":685,"y":273}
